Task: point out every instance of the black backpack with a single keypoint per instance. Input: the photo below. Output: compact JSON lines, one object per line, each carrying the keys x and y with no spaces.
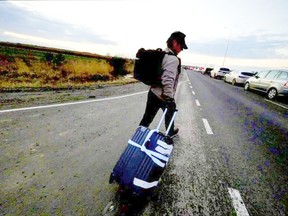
{"x":148,"y":66}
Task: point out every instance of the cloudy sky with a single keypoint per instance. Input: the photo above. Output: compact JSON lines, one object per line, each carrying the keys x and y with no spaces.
{"x":239,"y":33}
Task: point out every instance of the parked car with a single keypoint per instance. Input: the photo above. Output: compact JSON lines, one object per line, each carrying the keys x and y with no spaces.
{"x":272,"y":82}
{"x":199,"y":69}
{"x":207,"y":71}
{"x":237,"y":77}
{"x":219,"y":72}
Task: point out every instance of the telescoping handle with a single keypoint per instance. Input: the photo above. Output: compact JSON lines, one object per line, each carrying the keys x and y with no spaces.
{"x":170,"y":124}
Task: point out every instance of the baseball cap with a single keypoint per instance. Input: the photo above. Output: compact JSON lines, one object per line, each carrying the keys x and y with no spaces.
{"x":180,"y":37}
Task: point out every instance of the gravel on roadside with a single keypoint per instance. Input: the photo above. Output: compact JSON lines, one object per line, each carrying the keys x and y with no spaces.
{"x":11,"y":100}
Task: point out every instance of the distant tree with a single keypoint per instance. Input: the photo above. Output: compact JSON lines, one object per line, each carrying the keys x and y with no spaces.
{"x":56,"y":60}
{"x":48,"y":57}
{"x":118,"y":65}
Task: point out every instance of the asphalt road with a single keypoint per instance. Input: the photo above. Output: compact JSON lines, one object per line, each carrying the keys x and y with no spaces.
{"x":57,"y":160}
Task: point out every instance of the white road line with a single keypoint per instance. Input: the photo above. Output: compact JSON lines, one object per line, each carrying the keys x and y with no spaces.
{"x":207,"y":126}
{"x":187,"y":76}
{"x":197,"y":103}
{"x":191,"y":86}
{"x":238,"y":203}
{"x":193,"y":92}
{"x":71,"y":103}
{"x":277,"y":104}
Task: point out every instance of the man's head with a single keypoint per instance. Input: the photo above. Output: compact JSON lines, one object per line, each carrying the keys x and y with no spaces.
{"x":176,"y":42}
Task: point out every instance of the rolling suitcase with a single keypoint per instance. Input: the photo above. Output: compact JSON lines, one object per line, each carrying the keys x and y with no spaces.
{"x":144,"y":160}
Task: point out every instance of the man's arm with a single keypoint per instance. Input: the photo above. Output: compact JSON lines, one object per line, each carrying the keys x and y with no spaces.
{"x":170,"y":70}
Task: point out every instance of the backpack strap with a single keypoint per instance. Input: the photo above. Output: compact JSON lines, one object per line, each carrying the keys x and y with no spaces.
{"x":179,"y":66}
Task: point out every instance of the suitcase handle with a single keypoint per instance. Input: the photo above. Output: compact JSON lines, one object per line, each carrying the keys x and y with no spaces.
{"x":161,"y":120}
{"x":170,"y":124}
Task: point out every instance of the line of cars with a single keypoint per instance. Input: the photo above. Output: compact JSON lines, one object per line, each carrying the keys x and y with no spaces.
{"x":273,"y":83}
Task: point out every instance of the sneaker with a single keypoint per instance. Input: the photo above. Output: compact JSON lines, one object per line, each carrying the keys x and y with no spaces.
{"x":174,"y":133}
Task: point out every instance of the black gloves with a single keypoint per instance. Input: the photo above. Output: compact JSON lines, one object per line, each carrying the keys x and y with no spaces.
{"x":170,"y":104}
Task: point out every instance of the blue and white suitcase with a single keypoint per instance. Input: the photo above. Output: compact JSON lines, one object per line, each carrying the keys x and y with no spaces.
{"x":144,"y":160}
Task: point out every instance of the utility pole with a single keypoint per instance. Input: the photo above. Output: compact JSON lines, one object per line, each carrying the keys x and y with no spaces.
{"x":227,"y":45}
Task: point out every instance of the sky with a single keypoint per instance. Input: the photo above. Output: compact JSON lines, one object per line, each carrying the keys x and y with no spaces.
{"x":239,"y":34}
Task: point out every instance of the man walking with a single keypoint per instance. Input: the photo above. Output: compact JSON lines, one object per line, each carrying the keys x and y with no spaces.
{"x":163,"y":96}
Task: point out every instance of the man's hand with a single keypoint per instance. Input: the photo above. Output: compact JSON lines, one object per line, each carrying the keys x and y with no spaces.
{"x":170,"y":104}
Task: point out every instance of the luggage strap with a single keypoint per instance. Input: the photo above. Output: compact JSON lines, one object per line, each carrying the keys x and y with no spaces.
{"x":163,"y":149}
{"x":144,"y":184}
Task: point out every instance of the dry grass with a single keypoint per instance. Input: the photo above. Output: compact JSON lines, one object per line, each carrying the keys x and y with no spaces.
{"x":87,"y":70}
{"x":20,"y":70}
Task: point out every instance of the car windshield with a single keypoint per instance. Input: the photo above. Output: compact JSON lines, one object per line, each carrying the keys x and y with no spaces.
{"x":262,"y":74}
{"x":224,"y":69}
{"x":247,"y":73}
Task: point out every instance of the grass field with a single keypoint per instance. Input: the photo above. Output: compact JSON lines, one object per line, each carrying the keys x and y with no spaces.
{"x":27,"y":66}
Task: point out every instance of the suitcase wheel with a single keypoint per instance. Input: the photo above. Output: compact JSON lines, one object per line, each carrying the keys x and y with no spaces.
{"x":111,"y":179}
